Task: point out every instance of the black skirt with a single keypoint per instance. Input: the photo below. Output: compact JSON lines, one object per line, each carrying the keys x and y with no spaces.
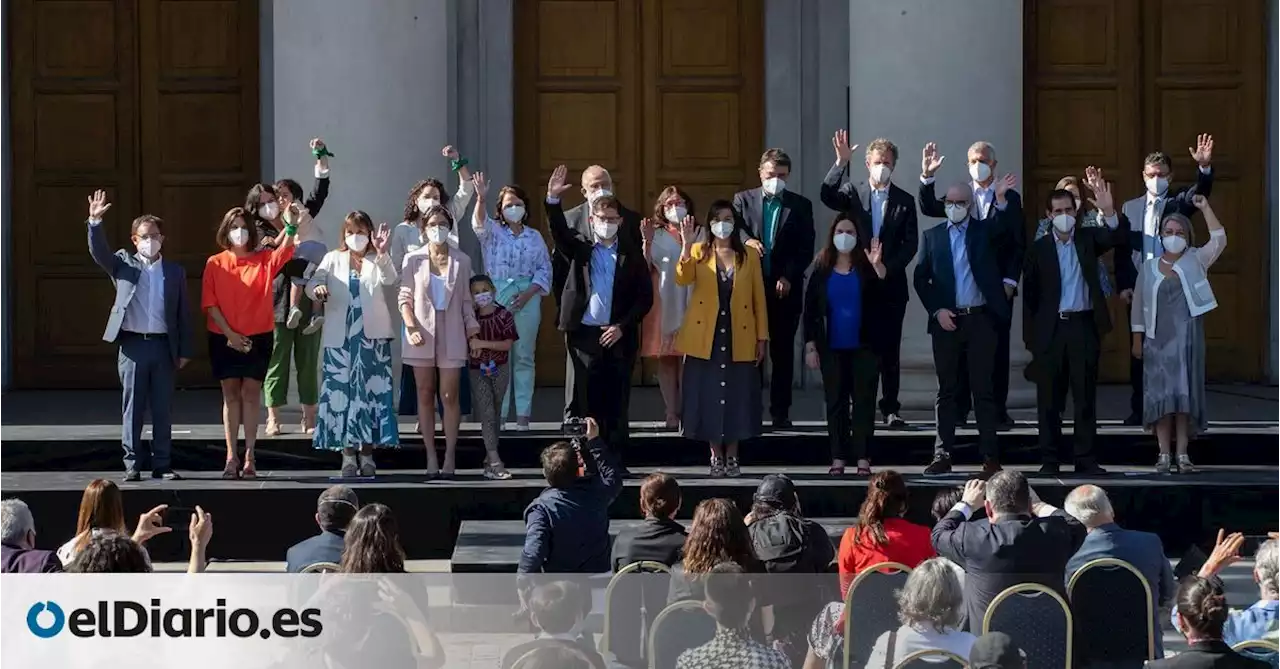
{"x":228,"y":363}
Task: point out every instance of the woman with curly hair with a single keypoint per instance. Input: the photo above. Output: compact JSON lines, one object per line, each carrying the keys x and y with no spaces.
{"x":717,"y":534}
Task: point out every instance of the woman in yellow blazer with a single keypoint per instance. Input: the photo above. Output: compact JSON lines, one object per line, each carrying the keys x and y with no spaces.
{"x":723,"y":337}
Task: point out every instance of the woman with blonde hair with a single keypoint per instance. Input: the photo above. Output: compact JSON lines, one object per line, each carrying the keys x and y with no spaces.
{"x":661,"y":241}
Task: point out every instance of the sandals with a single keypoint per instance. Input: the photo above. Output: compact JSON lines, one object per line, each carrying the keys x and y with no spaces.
{"x":835,"y":470}
{"x":1184,"y":464}
{"x":231,"y":470}
{"x":496,"y":471}
{"x":273,"y":428}
{"x":249,"y":471}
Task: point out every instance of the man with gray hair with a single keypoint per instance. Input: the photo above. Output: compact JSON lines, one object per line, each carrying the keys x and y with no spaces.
{"x":18,"y":552}
{"x":1262,"y":620}
{"x":1090,"y":505}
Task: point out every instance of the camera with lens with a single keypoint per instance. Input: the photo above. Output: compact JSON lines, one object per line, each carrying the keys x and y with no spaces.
{"x":575,"y":428}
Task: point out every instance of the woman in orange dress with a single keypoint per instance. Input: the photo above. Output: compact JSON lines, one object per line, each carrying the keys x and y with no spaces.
{"x":662,"y":250}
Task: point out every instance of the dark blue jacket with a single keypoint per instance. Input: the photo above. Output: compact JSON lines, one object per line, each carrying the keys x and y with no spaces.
{"x":324,"y":547}
{"x":1144,"y":551}
{"x":935,"y":279}
{"x":567,"y":529}
{"x":15,"y":560}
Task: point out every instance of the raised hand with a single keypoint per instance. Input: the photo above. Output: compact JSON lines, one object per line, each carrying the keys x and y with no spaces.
{"x":1201,"y":202}
{"x":559,"y":181}
{"x":1102,"y":199}
{"x":481,"y":185}
{"x":151,"y":524}
{"x":98,"y":204}
{"x":875,"y":252}
{"x":688,"y":231}
{"x":844,"y":151}
{"x":930,"y":160}
{"x":975,"y":493}
{"x":1092,"y":177}
{"x":381,"y":238}
{"x":1203,"y":151}
{"x":200,"y":529}
{"x":449,"y":152}
{"x":1004,"y":185}
{"x":1226,"y":552}
{"x":647,"y":227}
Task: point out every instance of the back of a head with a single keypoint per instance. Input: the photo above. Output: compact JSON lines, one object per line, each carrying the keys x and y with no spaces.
{"x":1202,"y":606}
{"x":15,"y":522}
{"x":1266,"y":567}
{"x":886,"y":498}
{"x":1090,"y":505}
{"x":372,"y":543}
{"x":554,"y":656}
{"x":775,"y":494}
{"x":717,"y":534}
{"x":729,"y":595}
{"x":560,"y":464}
{"x":944,"y":500}
{"x":557,"y":607}
{"x":1009,"y":493}
{"x":659,"y":495}
{"x":933,"y":597}
{"x":336,"y":507}
{"x":110,"y":552}
{"x":101,"y":507}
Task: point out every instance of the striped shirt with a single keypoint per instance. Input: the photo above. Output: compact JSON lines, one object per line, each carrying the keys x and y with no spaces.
{"x":497,"y":326}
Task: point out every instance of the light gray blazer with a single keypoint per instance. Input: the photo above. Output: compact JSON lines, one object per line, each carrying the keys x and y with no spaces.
{"x":124,"y":269}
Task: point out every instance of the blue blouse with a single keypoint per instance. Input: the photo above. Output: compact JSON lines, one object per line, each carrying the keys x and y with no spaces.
{"x":844,"y":310}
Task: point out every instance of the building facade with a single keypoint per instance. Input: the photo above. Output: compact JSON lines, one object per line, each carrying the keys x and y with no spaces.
{"x":176,"y":107}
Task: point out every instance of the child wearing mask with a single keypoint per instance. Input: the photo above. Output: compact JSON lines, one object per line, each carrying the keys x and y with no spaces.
{"x":489,"y":370}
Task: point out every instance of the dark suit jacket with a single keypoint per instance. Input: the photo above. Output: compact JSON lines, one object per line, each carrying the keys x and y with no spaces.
{"x":657,"y":539}
{"x":1011,"y":247}
{"x":792,"y":241}
{"x":935,"y":277}
{"x":632,"y":288}
{"x":323,"y":547}
{"x":1175,"y":200}
{"x":567,"y":529}
{"x":1208,"y":655}
{"x":1144,"y":551}
{"x":1042,"y":279}
{"x":996,"y":555}
{"x":14,"y":560}
{"x":125,"y":268}
{"x":899,"y":231}
{"x":579,"y":219}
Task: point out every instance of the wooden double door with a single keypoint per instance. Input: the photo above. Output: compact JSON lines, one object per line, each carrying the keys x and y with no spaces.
{"x":659,"y":92}
{"x":154,"y":101}
{"x":1109,"y":81}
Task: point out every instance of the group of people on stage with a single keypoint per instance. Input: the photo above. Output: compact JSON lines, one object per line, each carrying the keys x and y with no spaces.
{"x":710,"y":298}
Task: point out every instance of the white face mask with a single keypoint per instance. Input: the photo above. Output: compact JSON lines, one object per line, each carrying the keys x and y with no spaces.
{"x":1064,"y":222}
{"x":357,"y":242}
{"x":513,"y":213}
{"x":845,"y":241}
{"x":880,"y":174}
{"x":238,"y":237}
{"x":437,"y":234}
{"x":774,"y":186}
{"x":1174,"y":244}
{"x":675,"y":214}
{"x":426,"y":203}
{"x":1156,"y":185}
{"x":957,"y":213}
{"x":980,"y":171}
{"x":483,"y":299}
{"x":722,"y":229}
{"x":269,"y":211}
{"x":149,"y":248}
{"x":604,"y":231}
{"x":597,"y":194}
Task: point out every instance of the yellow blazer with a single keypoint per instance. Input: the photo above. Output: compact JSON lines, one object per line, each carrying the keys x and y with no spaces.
{"x":750,"y":322}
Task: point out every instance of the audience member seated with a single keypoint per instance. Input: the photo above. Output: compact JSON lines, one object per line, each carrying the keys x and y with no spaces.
{"x":995,"y":650}
{"x":1025,"y":540}
{"x":558,"y":610}
{"x":717,"y":534}
{"x":1259,"y":621}
{"x":18,"y":542}
{"x":943,"y":500}
{"x":102,"y":509}
{"x":881,"y":534}
{"x":1089,"y":504}
{"x":110,"y":552}
{"x":1200,"y":615}
{"x":730,"y":601}
{"x":660,"y":538}
{"x":372,"y":543}
{"x":931,"y":608}
{"x":334,"y":510}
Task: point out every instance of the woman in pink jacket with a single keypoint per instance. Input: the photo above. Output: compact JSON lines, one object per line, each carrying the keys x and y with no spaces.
{"x":439,"y":318}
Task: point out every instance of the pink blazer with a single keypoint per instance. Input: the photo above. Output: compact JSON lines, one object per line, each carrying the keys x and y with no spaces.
{"x":459,"y":317}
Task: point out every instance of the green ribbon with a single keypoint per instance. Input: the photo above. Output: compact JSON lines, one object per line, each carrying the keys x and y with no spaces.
{"x":321,"y":151}
{"x":458,"y":164}
{"x":290,"y":229}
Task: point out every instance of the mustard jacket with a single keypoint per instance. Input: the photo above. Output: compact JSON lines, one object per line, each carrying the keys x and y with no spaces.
{"x":750,"y":321}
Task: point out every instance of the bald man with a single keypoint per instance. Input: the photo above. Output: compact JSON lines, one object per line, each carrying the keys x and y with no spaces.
{"x":596,"y":183}
{"x":959,"y":281}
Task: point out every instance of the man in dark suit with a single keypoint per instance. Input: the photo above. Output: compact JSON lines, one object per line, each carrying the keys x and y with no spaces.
{"x":885,"y":212}
{"x":1089,"y":504}
{"x":1063,"y":301}
{"x":982,"y":173}
{"x":335,"y":508}
{"x":596,"y":183}
{"x":783,"y":223}
{"x":1145,"y":213}
{"x":605,"y":296}
{"x":151,"y":321}
{"x":1024,"y":541}
{"x":18,"y":552}
{"x":959,"y":281}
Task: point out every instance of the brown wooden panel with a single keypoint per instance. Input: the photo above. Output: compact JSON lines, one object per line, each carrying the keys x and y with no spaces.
{"x":578,"y":38}
{"x":62,"y":240}
{"x":191,"y":216}
{"x":75,"y":39}
{"x":75,"y":132}
{"x":699,"y":38}
{"x":200,"y":133}
{"x":700,"y":130}
{"x":564,"y":121}
{"x":210,"y":51}
{"x":1059,"y":31}
{"x":1077,"y":127}
{"x":1196,"y":36}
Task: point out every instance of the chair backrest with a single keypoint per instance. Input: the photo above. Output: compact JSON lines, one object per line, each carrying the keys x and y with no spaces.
{"x":1116,"y":621}
{"x":932,"y":659}
{"x":1258,"y":649}
{"x":632,"y":600}
{"x":1037,"y":619}
{"x":678,"y":628}
{"x":540,"y":645}
{"x":871,"y":608}
{"x":320,"y":568}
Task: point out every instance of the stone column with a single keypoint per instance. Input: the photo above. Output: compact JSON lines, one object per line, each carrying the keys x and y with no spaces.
{"x":948,"y":72}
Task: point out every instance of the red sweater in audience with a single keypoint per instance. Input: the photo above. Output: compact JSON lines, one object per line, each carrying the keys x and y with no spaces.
{"x":909,"y":544}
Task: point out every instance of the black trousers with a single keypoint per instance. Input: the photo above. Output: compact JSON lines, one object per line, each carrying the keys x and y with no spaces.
{"x":1071,"y":361}
{"x":849,"y":382}
{"x":970,"y":348}
{"x":1000,"y":382}
{"x":784,"y":317}
{"x":888,"y":348}
{"x":602,"y":380}
{"x":1135,"y":377}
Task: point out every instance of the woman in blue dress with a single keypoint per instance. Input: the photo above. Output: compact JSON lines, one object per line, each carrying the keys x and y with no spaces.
{"x":357,"y":405}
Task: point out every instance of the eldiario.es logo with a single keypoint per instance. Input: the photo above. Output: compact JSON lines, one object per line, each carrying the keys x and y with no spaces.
{"x":123,"y":619}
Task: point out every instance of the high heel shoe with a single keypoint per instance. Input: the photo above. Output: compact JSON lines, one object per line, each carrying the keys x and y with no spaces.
{"x":231,"y":470}
{"x":249,"y":471}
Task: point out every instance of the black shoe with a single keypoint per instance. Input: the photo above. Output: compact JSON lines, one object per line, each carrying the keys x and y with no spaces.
{"x":990,"y":466}
{"x":941,"y":464}
{"x":962,"y":422}
{"x":1134,"y":420}
{"x":782,"y":423}
{"x":1005,"y":424}
{"x":1050,"y":469}
{"x":168,"y":475}
{"x":131,"y":474}
{"x":623,"y":472}
{"x":894,"y":422}
{"x":1091,"y":468}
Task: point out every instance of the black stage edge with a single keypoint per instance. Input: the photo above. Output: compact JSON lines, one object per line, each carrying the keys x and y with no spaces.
{"x":258,"y":520}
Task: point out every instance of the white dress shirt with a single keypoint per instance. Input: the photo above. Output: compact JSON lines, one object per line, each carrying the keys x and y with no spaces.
{"x":145,"y":313}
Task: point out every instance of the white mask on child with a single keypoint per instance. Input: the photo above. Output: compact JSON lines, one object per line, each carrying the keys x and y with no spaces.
{"x":483,"y":299}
